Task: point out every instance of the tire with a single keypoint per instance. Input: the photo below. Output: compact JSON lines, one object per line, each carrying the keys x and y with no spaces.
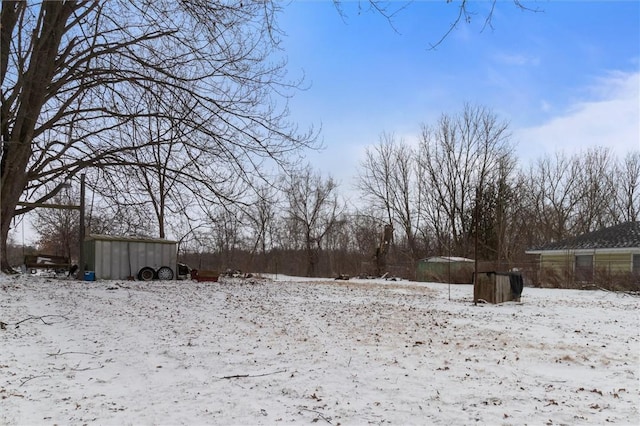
{"x":165,"y":273}
{"x":146,"y":274}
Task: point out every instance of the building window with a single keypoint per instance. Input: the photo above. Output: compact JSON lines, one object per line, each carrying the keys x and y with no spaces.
{"x":636,"y":264}
{"x":584,"y":267}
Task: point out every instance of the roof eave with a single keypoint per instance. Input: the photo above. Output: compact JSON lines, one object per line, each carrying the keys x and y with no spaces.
{"x":635,"y":250}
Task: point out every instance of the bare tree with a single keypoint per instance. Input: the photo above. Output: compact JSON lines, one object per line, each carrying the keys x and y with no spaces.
{"x":117,"y":209}
{"x":389,"y":179}
{"x":365,"y":231}
{"x":260,"y":216}
{"x":161,"y":174}
{"x":217,"y":239}
{"x":497,"y":209}
{"x":554,"y":186}
{"x":571,"y":195}
{"x":227,"y":234}
{"x":596,"y":189}
{"x":465,"y":13}
{"x":338,"y":244}
{"x":313,"y":208}
{"x":626,"y":205}
{"x":521,"y":229}
{"x":70,"y":72}
{"x":459,"y":156}
{"x":58,"y":229}
{"x":374,"y":176}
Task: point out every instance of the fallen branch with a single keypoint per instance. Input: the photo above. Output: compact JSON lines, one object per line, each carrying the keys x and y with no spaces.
{"x":236,"y":376}
{"x":78,"y":369}
{"x":240,"y":376}
{"x":71,"y":352}
{"x":41,"y":318}
{"x":319,"y":414}
{"x":31,"y":378}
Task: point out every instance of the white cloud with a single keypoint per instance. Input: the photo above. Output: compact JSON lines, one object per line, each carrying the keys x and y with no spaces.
{"x":517,"y":59}
{"x":611,"y":118}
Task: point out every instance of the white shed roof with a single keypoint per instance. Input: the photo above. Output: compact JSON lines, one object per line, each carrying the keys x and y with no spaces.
{"x":447,"y":259}
{"x":129,"y":238}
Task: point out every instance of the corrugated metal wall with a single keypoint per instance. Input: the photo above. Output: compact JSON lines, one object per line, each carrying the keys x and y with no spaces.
{"x":116,"y":259}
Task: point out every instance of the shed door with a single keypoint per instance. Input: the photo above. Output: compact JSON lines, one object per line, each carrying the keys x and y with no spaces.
{"x":584,"y":267}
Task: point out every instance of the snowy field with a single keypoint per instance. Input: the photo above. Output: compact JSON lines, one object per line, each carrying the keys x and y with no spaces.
{"x":298,"y":351}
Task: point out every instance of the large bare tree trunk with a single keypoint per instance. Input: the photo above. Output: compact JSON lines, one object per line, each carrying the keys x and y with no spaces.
{"x":17,"y":139}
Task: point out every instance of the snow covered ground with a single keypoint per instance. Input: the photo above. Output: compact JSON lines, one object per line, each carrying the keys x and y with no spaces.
{"x":298,"y":351}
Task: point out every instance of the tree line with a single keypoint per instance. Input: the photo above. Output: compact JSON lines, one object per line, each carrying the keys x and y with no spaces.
{"x":460,"y":191}
{"x":177,"y":114}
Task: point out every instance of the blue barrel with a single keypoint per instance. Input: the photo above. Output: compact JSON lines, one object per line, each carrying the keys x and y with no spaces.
{"x":89,"y":276}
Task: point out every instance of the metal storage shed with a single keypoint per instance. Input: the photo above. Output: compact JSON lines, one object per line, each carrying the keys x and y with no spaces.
{"x":120,"y":258}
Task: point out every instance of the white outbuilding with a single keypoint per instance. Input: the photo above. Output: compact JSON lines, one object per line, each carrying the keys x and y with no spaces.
{"x":112,"y":257}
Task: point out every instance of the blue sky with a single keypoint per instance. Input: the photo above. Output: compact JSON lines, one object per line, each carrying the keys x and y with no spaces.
{"x":566,"y":77}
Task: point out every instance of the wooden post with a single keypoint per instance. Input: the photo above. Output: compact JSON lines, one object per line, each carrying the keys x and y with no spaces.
{"x":475,"y":242}
{"x":82,"y":231}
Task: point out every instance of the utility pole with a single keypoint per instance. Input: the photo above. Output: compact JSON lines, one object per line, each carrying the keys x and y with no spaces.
{"x":476,"y":215}
{"x":82,"y":230}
